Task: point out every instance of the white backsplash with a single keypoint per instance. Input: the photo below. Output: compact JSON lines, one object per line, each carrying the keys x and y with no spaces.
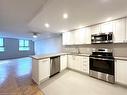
{"x":118,"y":49}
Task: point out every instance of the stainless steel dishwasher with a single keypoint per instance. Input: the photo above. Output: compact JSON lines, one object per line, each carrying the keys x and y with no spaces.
{"x":54,"y":65}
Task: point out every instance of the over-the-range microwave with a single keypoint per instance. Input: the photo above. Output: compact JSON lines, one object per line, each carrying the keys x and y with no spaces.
{"x":102,"y":38}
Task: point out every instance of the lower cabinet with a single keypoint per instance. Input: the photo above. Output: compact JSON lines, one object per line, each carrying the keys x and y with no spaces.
{"x":85,"y":65}
{"x":79,"y":63}
{"x":71,"y":61}
{"x":63,"y":62}
{"x":40,"y":70}
{"x":121,"y":71}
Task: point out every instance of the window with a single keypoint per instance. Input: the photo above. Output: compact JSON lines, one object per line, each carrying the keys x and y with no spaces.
{"x":24,"y":45}
{"x":1,"y":45}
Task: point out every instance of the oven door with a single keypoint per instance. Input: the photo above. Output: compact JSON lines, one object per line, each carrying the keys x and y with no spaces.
{"x":102,"y":65}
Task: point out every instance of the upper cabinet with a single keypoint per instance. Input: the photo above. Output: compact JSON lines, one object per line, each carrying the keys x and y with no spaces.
{"x":83,"y":36}
{"x":119,"y":31}
{"x":68,"y":38}
{"x":96,"y":29}
{"x":126,"y":30}
{"x":107,"y":27}
{"x":77,"y":37}
{"x":102,"y":28}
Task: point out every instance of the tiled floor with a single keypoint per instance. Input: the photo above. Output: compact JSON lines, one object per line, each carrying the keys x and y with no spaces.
{"x":73,"y":83}
{"x":15,"y":78}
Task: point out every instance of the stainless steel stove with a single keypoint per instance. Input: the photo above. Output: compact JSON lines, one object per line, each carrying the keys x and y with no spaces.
{"x":102,"y":65}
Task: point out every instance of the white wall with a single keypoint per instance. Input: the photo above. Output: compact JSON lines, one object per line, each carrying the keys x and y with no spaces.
{"x":49,"y":45}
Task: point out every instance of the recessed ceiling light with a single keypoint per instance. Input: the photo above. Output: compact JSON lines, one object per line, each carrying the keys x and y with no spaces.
{"x":65,"y":16}
{"x":108,"y":19}
{"x":104,"y":1}
{"x":47,"y":25}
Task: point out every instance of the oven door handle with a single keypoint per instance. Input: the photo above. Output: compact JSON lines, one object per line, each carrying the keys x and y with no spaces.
{"x":102,"y":59}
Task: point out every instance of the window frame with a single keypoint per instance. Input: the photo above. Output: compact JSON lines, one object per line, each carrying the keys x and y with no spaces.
{"x":25,"y":44}
{"x":2,"y":46}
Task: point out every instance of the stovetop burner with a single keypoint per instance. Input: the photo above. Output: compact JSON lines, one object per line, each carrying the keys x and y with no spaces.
{"x":102,"y":53}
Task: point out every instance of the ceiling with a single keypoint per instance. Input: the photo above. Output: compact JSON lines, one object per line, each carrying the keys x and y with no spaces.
{"x":15,"y":16}
{"x":81,"y":13}
{"x":18,"y":18}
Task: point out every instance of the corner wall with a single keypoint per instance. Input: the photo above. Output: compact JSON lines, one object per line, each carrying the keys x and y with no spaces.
{"x":48,"y":45}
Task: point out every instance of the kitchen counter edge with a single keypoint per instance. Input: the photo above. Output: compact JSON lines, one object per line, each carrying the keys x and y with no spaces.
{"x":39,"y":57}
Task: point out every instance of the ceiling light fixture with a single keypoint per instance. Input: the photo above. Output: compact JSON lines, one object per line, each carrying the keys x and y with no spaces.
{"x":65,"y":16}
{"x":104,"y":1}
{"x":35,"y":35}
{"x":47,"y":25}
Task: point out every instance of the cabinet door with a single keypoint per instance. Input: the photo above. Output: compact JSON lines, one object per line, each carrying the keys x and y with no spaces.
{"x":80,"y":36}
{"x":119,"y":31}
{"x":126,"y":30}
{"x":83,"y":36}
{"x":107,"y":27}
{"x":121,"y":71}
{"x":68,"y":38}
{"x":63,"y":62}
{"x":95,"y":29}
{"x":35,"y":72}
{"x":44,"y":69}
{"x":88,"y":36}
{"x":78,"y":63}
{"x":85,"y":65}
{"x":71,"y":61}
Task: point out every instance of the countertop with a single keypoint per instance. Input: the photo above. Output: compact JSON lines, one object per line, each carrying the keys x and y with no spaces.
{"x":38,"y":57}
{"x":121,"y":58}
{"x":79,"y":54}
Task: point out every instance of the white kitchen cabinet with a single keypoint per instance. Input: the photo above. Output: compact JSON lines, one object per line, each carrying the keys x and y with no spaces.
{"x":102,"y":28}
{"x":68,"y":38}
{"x":79,"y":36}
{"x":107,"y":27}
{"x":74,"y":62}
{"x":126,"y":30}
{"x":88,"y":35}
{"x":95,"y":29}
{"x":40,"y":70}
{"x":85,"y":65}
{"x":63,"y":62}
{"x":82,"y":36}
{"x":121,"y":71}
{"x":71,"y":61}
{"x":79,"y":63}
{"x":119,"y":31}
